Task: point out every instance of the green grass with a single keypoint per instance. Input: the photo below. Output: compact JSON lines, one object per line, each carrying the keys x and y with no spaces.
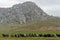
{"x":43,"y":27}
{"x":46,"y":32}
{"x":30,"y":38}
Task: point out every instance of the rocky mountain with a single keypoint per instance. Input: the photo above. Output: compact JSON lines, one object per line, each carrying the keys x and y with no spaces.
{"x":26,"y":12}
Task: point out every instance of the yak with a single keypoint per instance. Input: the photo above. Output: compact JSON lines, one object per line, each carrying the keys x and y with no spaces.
{"x":5,"y":35}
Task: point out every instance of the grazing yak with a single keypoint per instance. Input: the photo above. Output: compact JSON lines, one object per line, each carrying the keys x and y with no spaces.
{"x":15,"y":35}
{"x":40,"y":35}
{"x":5,"y":35}
{"x":58,"y":35}
{"x":22,"y":35}
{"x":48,"y":35}
{"x":18,"y":35}
{"x":33,"y":35}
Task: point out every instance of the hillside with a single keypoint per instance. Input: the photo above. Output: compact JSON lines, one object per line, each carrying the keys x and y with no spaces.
{"x":27,"y":17}
{"x":47,"y":25}
{"x":26,"y":12}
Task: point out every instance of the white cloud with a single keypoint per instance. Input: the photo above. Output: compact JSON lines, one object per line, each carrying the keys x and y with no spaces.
{"x":52,"y":7}
{"x":7,"y":3}
{"x":52,"y":10}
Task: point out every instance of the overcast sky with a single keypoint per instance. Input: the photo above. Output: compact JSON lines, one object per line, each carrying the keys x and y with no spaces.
{"x":51,"y":7}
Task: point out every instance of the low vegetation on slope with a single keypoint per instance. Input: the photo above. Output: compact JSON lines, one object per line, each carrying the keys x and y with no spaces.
{"x":47,"y":25}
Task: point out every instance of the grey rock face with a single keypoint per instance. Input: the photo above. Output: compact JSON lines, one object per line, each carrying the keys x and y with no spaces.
{"x":26,"y":12}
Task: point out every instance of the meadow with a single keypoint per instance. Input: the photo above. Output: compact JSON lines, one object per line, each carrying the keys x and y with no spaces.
{"x":43,"y":27}
{"x":30,"y":38}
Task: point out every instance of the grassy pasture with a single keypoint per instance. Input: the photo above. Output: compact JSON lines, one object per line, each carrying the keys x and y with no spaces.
{"x":43,"y":27}
{"x":29,"y":38}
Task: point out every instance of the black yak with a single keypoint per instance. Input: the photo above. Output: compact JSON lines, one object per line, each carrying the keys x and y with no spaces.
{"x":5,"y":35}
{"x":58,"y":35}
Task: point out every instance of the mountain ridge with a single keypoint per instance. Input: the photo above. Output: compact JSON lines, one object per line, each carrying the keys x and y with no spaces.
{"x":26,"y":12}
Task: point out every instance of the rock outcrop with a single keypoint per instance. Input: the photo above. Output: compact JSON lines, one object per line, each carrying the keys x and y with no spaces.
{"x":26,"y":12}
